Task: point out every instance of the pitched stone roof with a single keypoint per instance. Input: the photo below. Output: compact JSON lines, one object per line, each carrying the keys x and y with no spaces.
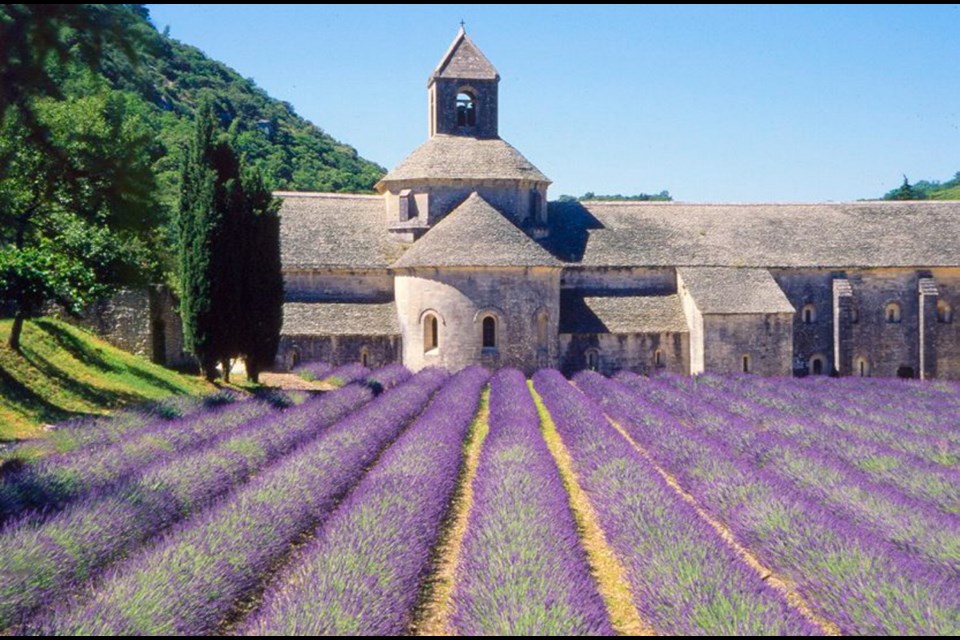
{"x":466,"y":158}
{"x":721,"y":290}
{"x":621,"y":314}
{"x":831,"y":235}
{"x":340,"y":319}
{"x":476,"y":235}
{"x":464,"y":60}
{"x":333,"y":230}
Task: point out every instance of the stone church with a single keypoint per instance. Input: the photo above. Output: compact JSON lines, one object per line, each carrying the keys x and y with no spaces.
{"x":461,"y":259}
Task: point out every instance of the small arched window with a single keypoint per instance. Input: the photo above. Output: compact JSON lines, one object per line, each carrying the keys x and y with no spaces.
{"x":489,"y":332}
{"x":593,"y":359}
{"x":745,"y":363}
{"x":658,"y":360}
{"x":365,"y":357}
{"x":809,"y":314}
{"x":944,"y":311}
{"x":861,"y":368}
{"x":892,"y":313}
{"x":817,"y":365}
{"x":431,"y":333}
{"x":466,"y":109}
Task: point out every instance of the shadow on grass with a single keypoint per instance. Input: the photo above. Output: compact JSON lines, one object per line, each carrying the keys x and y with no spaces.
{"x":23,"y":397}
{"x":91,"y":357}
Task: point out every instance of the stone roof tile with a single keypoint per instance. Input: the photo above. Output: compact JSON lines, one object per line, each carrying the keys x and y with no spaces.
{"x":476,"y":235}
{"x":621,"y":314}
{"x":464,"y":59}
{"x":340,"y":318}
{"x":465,"y":158}
{"x":333,"y":230}
{"x":722,"y":290}
{"x":829,"y":235}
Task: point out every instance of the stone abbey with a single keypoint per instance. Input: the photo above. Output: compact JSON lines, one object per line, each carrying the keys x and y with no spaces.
{"x":461,"y":259}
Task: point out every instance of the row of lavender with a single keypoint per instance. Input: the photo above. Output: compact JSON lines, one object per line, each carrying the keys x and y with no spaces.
{"x":133,"y":488}
{"x":850,"y":575}
{"x":203,"y":570}
{"x":821,"y":461}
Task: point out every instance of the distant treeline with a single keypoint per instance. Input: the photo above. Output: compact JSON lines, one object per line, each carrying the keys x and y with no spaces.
{"x":926,"y":190}
{"x":663,"y":196}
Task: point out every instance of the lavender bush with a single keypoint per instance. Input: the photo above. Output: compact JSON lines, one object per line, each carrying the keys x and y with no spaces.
{"x":194,"y":576}
{"x":684,"y":579}
{"x":852,"y":577}
{"x":522,"y":569}
{"x":366,"y":565}
{"x":40,"y":563}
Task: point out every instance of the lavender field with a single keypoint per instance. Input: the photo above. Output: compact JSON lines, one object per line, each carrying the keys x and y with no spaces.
{"x":487,"y":503}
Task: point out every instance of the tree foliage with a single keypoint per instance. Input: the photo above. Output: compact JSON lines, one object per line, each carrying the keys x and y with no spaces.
{"x":76,"y":209}
{"x":229,"y":254}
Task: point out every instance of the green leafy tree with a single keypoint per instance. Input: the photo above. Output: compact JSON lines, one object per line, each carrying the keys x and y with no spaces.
{"x":905,"y":192}
{"x":75,"y":221}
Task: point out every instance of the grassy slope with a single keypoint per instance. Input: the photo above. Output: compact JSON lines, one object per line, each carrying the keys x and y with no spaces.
{"x":65,"y":371}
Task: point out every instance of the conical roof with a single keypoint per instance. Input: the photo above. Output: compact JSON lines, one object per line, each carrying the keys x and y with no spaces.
{"x":476,"y":235}
{"x":464,"y":60}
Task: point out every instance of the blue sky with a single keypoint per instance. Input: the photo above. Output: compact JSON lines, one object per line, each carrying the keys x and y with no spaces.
{"x":715,"y":104}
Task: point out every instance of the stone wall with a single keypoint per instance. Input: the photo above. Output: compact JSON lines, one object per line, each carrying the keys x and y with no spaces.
{"x":626,"y":352}
{"x":434,"y":200}
{"x":356,"y":285}
{"x":622,"y":280}
{"x":442,"y":98}
{"x":946,"y":337}
{"x":766,"y":339}
{"x":460,"y":298}
{"x":338,"y":350}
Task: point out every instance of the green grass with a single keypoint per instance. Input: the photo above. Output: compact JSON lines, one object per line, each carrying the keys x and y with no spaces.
{"x":64,"y":371}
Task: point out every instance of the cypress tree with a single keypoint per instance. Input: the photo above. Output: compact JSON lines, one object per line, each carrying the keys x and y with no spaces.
{"x":196,"y":222}
{"x":263,"y":281}
{"x":232,"y":287}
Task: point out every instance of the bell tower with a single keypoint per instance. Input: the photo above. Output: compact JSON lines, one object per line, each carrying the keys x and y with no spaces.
{"x":462,"y":92}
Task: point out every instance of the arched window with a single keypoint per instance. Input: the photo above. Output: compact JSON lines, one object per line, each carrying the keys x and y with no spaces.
{"x":489,"y":332}
{"x":861,"y":367}
{"x":892,"y":313}
{"x":745,"y":363}
{"x":658,"y":360}
{"x":466,"y":109}
{"x":431,"y":333}
{"x":809,"y":314}
{"x":944,"y":311}
{"x":817,"y":365}
{"x":365,"y":357}
{"x":593,"y":359}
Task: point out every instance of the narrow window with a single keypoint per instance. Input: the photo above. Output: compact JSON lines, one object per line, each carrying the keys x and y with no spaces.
{"x":466,"y":110}
{"x":431,"y":333}
{"x":364,"y":357}
{"x":893,"y":313}
{"x":535,"y":207}
{"x":809,"y":314}
{"x":489,"y":333}
{"x":406,"y":205}
{"x":658,"y":358}
{"x":861,"y":368}
{"x":816,"y":366}
{"x":944,"y":312}
{"x":542,"y":319}
{"x":593,"y":359}
{"x":746,"y":364}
